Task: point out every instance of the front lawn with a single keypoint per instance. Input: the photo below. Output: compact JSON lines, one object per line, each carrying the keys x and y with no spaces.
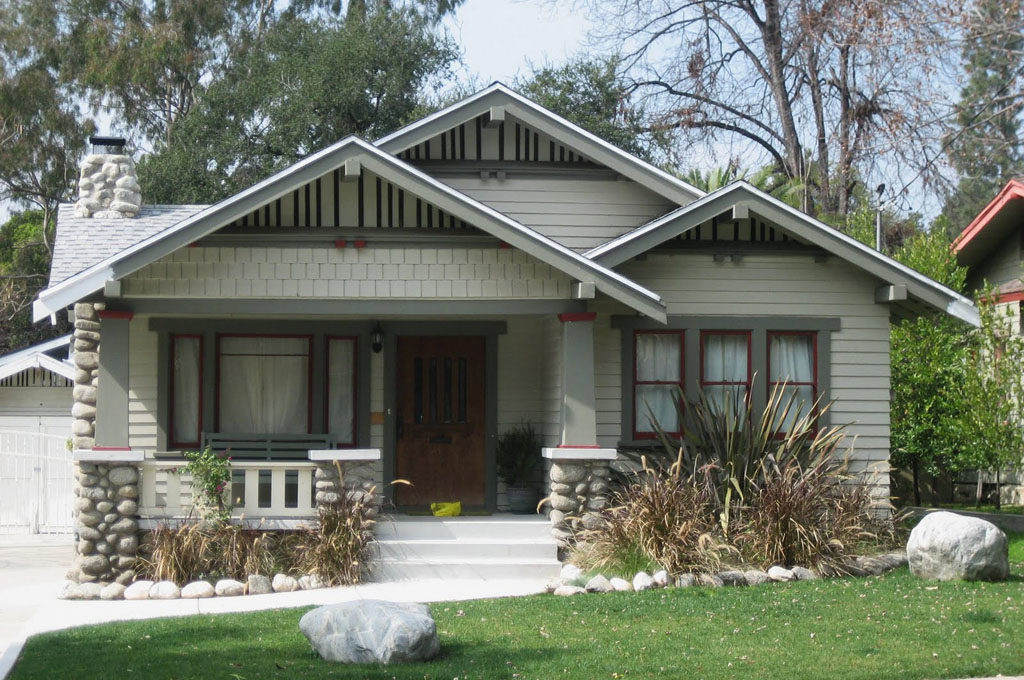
{"x":892,"y":627}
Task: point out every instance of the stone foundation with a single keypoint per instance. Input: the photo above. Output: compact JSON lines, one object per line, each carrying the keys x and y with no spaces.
{"x":356,"y":479}
{"x":86,"y":358}
{"x":106,"y":508}
{"x":579,"y":490}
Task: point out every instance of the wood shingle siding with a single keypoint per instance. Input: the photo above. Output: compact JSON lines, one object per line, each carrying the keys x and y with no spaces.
{"x":1002,"y":266}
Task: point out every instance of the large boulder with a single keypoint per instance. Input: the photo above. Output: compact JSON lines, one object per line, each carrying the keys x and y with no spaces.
{"x":947,"y":546}
{"x":372,"y":631}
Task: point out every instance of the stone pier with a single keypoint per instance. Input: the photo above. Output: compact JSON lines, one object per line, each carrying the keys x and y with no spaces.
{"x":578,"y":488}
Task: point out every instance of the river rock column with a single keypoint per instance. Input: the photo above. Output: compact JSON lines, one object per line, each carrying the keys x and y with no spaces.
{"x":349,"y":471}
{"x":578,"y":489}
{"x":106,"y":516}
{"x":86,"y":355}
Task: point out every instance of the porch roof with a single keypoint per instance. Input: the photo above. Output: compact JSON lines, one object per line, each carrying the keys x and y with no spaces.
{"x":915,"y":289}
{"x":40,"y":356}
{"x":209,"y":219}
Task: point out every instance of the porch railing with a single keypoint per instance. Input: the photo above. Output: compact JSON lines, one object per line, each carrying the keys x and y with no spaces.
{"x":259,"y":490}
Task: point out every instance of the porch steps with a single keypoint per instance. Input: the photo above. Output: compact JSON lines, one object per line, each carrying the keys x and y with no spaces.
{"x":497,"y":547}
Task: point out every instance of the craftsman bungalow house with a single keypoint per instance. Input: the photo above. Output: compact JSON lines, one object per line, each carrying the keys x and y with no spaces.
{"x":408,"y":299}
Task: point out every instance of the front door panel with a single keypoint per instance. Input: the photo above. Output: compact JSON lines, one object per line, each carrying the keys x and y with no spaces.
{"x":440,"y":430}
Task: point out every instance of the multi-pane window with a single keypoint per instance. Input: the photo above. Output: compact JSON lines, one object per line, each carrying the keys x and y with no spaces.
{"x":186,"y":392}
{"x":341,"y":389}
{"x":264,"y":384}
{"x":725,"y":369}
{"x":658,"y":378}
{"x":792,"y":368}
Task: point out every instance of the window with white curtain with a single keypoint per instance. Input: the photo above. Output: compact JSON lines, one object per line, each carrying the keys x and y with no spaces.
{"x":186,"y":378}
{"x":264,"y":384}
{"x":341,"y":386}
{"x":658,"y":378}
{"x":792,"y":367}
{"x":725,"y":369}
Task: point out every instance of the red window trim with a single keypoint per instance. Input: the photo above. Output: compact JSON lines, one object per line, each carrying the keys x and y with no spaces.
{"x":770,"y":384}
{"x":309,"y":364}
{"x":172,"y":442}
{"x":704,"y":383}
{"x":355,"y":384}
{"x":682,"y":369}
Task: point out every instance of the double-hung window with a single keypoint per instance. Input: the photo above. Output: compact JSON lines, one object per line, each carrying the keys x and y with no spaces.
{"x":725,"y":369}
{"x":793,"y":369}
{"x":264,"y":384}
{"x":657,"y":382}
{"x":186,"y":391}
{"x":341,"y":389}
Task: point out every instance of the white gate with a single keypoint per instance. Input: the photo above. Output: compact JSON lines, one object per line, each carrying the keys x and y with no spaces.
{"x":35,"y":483}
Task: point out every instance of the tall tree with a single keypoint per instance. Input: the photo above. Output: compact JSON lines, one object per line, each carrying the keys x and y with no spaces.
{"x":305,"y":85}
{"x":821,"y":89}
{"x":985,"y":150}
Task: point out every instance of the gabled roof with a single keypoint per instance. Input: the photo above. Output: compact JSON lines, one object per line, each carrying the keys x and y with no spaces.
{"x":45,"y":355}
{"x":918,"y":286}
{"x":1003,"y":215}
{"x":83,"y":241}
{"x":380,"y":162}
{"x":535,"y":115}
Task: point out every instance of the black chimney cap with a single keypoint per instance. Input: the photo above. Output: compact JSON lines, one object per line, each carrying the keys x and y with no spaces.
{"x":107,"y":144}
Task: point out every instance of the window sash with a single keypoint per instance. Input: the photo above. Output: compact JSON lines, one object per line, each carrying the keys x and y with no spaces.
{"x":264,"y":383}
{"x":655,"y":386}
{"x":186,"y":391}
{"x":727,"y":387}
{"x":783,"y":369}
{"x":341,"y":389}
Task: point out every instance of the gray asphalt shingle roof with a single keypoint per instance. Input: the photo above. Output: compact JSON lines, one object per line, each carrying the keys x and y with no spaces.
{"x":83,"y":241}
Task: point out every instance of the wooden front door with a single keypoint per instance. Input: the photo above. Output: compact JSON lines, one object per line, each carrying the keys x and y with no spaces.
{"x":440,"y":432}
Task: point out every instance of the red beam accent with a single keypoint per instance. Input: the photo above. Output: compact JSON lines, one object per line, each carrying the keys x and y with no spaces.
{"x":577,"y":316}
{"x":116,"y":314}
{"x":340,"y":243}
{"x":1010,"y":297}
{"x":502,"y":244}
{"x":194,"y":244}
{"x":359,"y":244}
{"x":1012,"y":190}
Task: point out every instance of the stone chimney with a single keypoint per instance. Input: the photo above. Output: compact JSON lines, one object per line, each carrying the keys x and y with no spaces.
{"x":108,"y":186}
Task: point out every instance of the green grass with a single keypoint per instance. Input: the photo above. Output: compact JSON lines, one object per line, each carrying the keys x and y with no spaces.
{"x":892,"y":627}
{"x":1004,"y":509}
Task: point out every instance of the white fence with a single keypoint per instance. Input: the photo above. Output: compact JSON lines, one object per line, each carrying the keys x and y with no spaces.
{"x":35,"y":483}
{"x":259,"y":490}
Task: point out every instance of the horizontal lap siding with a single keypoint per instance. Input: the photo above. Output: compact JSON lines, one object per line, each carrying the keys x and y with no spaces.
{"x":349,"y":273}
{"x":578,"y":213}
{"x":765,"y":285}
{"x":36,"y":400}
{"x":142,"y":385}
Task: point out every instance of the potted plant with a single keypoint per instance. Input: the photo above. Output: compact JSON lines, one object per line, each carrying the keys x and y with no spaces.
{"x":518,"y":453}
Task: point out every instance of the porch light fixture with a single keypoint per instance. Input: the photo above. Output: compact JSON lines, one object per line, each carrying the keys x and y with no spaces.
{"x":377,"y":339}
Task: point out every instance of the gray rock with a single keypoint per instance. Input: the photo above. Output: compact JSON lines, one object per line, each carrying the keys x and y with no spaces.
{"x":372,"y":631}
{"x":283,"y":583}
{"x":129,"y":491}
{"x":599,"y":584}
{"x":127,"y":508}
{"x":138,"y":590}
{"x":710,"y":581}
{"x":778,"y":573}
{"x":686,"y":581}
{"x":94,"y":565}
{"x":567,"y":591}
{"x":551,"y":585}
{"x":311,"y":582}
{"x":732,"y":578}
{"x":124,"y":526}
{"x":570,"y":573}
{"x":104,"y":507}
{"x":68,"y":591}
{"x":563,"y":489}
{"x":165,"y":590}
{"x":90,"y":591}
{"x":567,"y":473}
{"x":871,"y":565}
{"x":227,"y":587}
{"x":621,"y":584}
{"x":89,"y":534}
{"x":128,"y":545}
{"x":114,"y":591}
{"x":893,"y":560}
{"x":661,"y":578}
{"x":562,"y":503}
{"x":804,"y":574}
{"x":947,"y":546}
{"x":592,"y":521}
{"x":756,"y":577}
{"x":258,"y":584}
{"x":89,"y":519}
{"x":642,"y":581}
{"x":120,"y":476}
{"x":197,"y":590}
{"x":83,"y":505}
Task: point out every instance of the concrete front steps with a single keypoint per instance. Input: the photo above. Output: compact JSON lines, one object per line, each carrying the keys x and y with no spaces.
{"x":495,"y":547}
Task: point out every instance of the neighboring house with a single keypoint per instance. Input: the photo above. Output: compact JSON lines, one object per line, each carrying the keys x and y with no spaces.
{"x":489,"y":264}
{"x":992,"y":249}
{"x":35,"y":426}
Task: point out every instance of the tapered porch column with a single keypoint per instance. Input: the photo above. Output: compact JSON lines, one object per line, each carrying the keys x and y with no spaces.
{"x":578,"y":419}
{"x":578,"y":468}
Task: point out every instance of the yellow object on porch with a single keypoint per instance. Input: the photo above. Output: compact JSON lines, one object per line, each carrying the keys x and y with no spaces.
{"x":446,"y":509}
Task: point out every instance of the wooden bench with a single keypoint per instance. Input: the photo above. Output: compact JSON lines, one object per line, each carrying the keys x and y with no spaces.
{"x":264,"y":446}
